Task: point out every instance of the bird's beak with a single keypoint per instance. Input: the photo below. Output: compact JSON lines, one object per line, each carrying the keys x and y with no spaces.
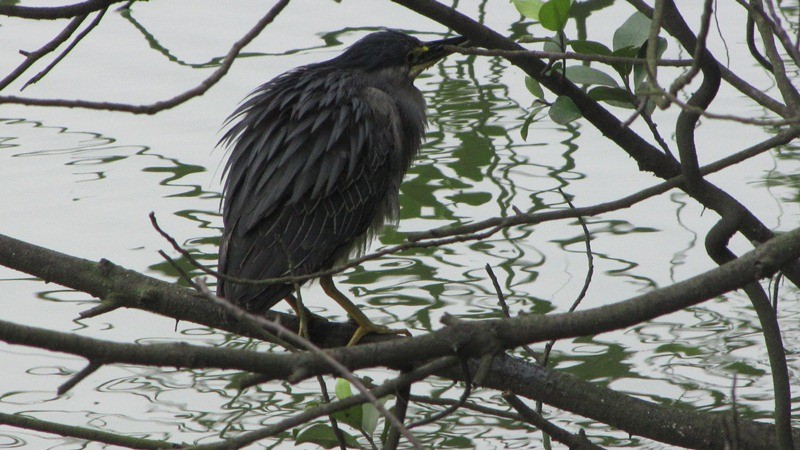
{"x":433,"y":51}
{"x":436,"y":49}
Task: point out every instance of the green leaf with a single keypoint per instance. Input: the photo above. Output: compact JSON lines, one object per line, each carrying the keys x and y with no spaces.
{"x":627,"y":52}
{"x":564,"y":111}
{"x":632,"y":33}
{"x":529,"y":8}
{"x":554,"y":14}
{"x":613,"y":96}
{"x":552,"y":46}
{"x":534,"y":87}
{"x":323,"y":436}
{"x":343,"y":389}
{"x":352,"y":416}
{"x":589,"y":75}
{"x":370,"y":416}
{"x":528,"y":121}
{"x":589,"y":47}
{"x":639,"y":71}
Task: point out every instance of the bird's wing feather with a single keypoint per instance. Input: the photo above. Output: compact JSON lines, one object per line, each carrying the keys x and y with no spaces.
{"x":304,"y":183}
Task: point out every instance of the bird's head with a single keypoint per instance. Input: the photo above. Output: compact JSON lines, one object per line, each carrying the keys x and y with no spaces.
{"x":394,"y":51}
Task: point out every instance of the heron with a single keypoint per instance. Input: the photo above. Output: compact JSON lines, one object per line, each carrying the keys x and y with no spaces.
{"x":316,"y":159}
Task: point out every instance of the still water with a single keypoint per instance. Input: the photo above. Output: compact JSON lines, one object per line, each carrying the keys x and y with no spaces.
{"x":83,"y":183}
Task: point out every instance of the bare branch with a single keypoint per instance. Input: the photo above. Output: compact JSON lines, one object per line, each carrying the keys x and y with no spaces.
{"x":55,"y":12}
{"x":78,"y":377}
{"x":85,"y":32}
{"x":156,"y":107}
{"x":566,"y":55}
{"x":32,"y":57}
{"x":454,"y":407}
{"x":89,"y":434}
{"x":557,"y":433}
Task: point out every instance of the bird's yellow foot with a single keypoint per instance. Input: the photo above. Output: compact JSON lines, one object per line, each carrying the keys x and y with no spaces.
{"x":365,"y":326}
{"x":371,"y":328}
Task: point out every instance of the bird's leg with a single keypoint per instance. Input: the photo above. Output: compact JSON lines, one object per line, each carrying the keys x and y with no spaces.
{"x":365,"y":326}
{"x":301,"y":312}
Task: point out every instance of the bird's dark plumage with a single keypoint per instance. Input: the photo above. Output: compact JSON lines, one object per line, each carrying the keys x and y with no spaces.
{"x":317,"y":158}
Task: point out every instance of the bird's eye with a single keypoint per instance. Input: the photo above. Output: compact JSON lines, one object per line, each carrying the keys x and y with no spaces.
{"x":413,"y":56}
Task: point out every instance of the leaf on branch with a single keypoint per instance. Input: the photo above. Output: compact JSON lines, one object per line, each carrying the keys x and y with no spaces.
{"x":640,"y":72}
{"x":529,"y":8}
{"x":553,"y":45}
{"x":627,"y":52}
{"x":534,"y":87}
{"x":613,"y":96}
{"x":564,"y":111}
{"x":353,"y":415}
{"x":529,"y":120}
{"x":369,"y":421}
{"x":343,"y":389}
{"x":632,"y":33}
{"x":589,"y":47}
{"x":587,"y":75}
{"x":323,"y":436}
{"x":554,"y":14}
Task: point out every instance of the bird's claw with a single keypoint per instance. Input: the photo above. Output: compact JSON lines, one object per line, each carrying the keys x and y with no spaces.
{"x":371,"y":328}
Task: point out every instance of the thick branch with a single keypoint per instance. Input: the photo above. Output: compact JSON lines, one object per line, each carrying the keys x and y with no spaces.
{"x":471,"y":339}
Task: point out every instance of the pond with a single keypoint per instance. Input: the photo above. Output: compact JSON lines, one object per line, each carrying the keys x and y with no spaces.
{"x":83,"y":182}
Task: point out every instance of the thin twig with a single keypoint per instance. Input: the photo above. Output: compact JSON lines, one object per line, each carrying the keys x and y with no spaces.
{"x":78,"y":377}
{"x":32,"y":57}
{"x":94,"y":435}
{"x":181,"y":273}
{"x":105,"y":306}
{"x":734,"y":416}
{"x":69,"y":48}
{"x":557,"y":433}
{"x":468,"y":405}
{"x":776,"y":290}
{"x":605,"y":59}
{"x":587,"y":238}
{"x":700,"y":48}
{"x":334,"y":423}
{"x":501,"y":298}
{"x":266,"y":334}
{"x":454,"y":407}
{"x":153,"y":108}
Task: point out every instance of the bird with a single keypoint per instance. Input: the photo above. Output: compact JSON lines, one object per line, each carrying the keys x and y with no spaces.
{"x":316,"y":159}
